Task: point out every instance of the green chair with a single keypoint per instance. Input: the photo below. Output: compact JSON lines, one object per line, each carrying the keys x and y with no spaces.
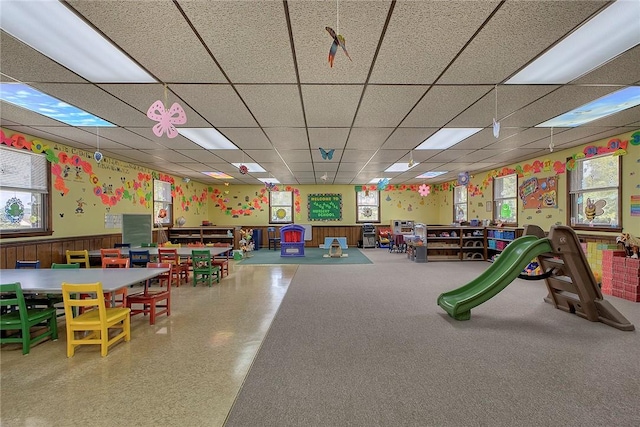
{"x":17,"y":317}
{"x":203,"y":268}
{"x":65,"y":266}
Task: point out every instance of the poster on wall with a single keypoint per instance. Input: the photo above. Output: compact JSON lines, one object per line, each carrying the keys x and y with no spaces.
{"x":539,"y":193}
{"x":325,"y":207}
{"x":635,"y":205}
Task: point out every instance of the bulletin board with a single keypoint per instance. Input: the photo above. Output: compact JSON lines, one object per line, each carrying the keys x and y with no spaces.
{"x":539,"y":193}
{"x":324,"y":207}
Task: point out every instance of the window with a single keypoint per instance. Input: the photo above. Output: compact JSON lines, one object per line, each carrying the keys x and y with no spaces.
{"x":368,"y":206}
{"x":280,"y":207}
{"x":594,"y":192}
{"x":505,"y":199}
{"x":162,"y":203}
{"x":460,"y":203}
{"x":24,"y":194}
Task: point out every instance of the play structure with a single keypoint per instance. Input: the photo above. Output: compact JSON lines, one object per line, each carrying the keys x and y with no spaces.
{"x":570,"y":282}
{"x":291,"y":240}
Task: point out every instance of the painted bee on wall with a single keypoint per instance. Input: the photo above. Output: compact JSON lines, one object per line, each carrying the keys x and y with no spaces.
{"x":594,"y":208}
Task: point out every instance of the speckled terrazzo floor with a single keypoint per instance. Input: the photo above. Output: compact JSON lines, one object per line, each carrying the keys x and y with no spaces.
{"x":185,"y":370}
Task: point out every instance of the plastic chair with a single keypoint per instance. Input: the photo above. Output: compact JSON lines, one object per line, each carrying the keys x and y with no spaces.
{"x":79,"y":257}
{"x":121,"y":245}
{"x":112,"y":298}
{"x":139,"y":258}
{"x":27,"y":264}
{"x":203,"y":268}
{"x":150,"y":298}
{"x":179,"y":270}
{"x":223,"y":260}
{"x":97,"y":318}
{"x":273,"y":236}
{"x":17,"y":317}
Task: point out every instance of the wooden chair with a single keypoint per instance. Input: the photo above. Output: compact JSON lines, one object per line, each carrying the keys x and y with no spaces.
{"x":78,"y":257}
{"x":37,"y":300}
{"x":96,"y":320}
{"x":110,"y":253}
{"x":150,"y":298}
{"x":180,"y":270}
{"x":139,"y":258}
{"x":223,"y":259}
{"x":113,"y":298}
{"x":203,"y":268}
{"x":27,"y":264}
{"x":273,"y":236}
{"x":17,"y":317}
{"x":122,"y":245}
{"x":73,"y":266}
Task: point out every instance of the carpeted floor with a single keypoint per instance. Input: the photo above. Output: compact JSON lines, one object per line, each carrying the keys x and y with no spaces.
{"x":372,"y":348}
{"x":312,"y":256}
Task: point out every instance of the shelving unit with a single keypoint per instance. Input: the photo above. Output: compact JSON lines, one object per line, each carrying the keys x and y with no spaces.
{"x":204,"y":235}
{"x":498,"y":238}
{"x":452,"y":243}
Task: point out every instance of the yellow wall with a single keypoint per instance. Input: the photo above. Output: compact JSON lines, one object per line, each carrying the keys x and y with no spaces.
{"x":547,"y":217}
{"x":79,"y":211}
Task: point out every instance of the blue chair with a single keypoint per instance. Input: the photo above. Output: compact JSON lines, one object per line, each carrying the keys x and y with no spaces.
{"x":122,"y":245}
{"x":139,"y":258}
{"x":28,"y":264}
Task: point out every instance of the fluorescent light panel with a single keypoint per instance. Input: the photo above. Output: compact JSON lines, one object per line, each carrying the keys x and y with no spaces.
{"x":253,"y":167}
{"x":57,"y":32}
{"x":432,"y":174}
{"x":446,"y":138}
{"x":26,"y":97}
{"x":218,"y":175}
{"x":208,"y":138}
{"x":377,"y":180}
{"x":610,"y":33}
{"x":594,"y":110}
{"x":269,"y":180}
{"x":400,"y":167}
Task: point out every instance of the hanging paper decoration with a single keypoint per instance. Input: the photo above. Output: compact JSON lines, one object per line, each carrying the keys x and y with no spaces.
{"x":496,"y":128}
{"x":270,"y":185}
{"x":463,"y":178}
{"x":97,"y":156}
{"x":338,"y":40}
{"x":243,"y":169}
{"x":166,"y":118}
{"x":382,"y":184}
{"x":324,"y":177}
{"x":327,"y":154}
{"x":424,"y":190}
{"x":14,"y":210}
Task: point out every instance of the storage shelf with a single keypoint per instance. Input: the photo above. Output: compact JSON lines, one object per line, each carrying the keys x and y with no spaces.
{"x":204,"y":235}
{"x":457,"y":252}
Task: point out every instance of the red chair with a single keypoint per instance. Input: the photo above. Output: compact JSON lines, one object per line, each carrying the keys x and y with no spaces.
{"x":150,"y":299}
{"x":110,"y":253}
{"x":179,"y":270}
{"x":116,"y":263}
{"x":223,"y":259}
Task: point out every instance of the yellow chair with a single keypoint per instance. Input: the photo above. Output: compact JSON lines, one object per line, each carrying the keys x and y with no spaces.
{"x":78,"y":257}
{"x":94,"y":324}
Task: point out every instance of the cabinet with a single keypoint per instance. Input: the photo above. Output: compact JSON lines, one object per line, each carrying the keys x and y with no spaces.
{"x":498,"y":238}
{"x":446,"y":243}
{"x":203,"y":235}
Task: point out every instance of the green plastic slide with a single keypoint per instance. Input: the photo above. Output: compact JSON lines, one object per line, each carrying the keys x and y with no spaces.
{"x":516,"y":256}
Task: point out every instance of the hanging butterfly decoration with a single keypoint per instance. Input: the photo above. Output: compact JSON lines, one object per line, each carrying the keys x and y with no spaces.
{"x":338,"y":40}
{"x":243,"y":169}
{"x":324,"y":177}
{"x":424,"y":190}
{"x":382,"y":184}
{"x":270,"y":186}
{"x":327,"y":154}
{"x":463,"y":178}
{"x":166,"y":118}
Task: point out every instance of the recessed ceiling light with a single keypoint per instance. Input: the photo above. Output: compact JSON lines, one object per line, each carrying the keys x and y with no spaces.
{"x":610,"y":33}
{"x":431,"y":174}
{"x":57,"y":32}
{"x":269,"y":180}
{"x":594,"y":110}
{"x":446,"y":138}
{"x":208,"y":138}
{"x":218,"y":175}
{"x":26,"y":97}
{"x":252,"y":167}
{"x":401,"y":167}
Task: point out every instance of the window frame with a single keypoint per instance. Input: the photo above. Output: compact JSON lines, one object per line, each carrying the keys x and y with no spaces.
{"x":166,"y":204}
{"x":359,"y":205}
{"x":465,"y":203}
{"x":47,"y":200}
{"x":570,"y":194}
{"x":272,"y":206}
{"x":495,"y":216}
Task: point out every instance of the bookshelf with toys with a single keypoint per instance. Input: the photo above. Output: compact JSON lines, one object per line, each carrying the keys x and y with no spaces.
{"x":460,"y":243}
{"x":498,"y":238}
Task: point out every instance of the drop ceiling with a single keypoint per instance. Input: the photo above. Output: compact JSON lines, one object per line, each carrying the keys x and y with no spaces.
{"x":257,"y":71}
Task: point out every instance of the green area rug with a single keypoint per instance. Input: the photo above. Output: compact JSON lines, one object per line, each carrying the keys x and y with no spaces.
{"x":312,"y":256}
